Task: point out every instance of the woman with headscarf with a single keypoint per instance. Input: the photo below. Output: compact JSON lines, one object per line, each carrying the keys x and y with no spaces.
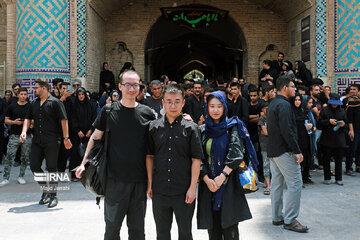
{"x":287,"y":69}
{"x":303,"y":75}
{"x":107,"y":79}
{"x":332,"y":121}
{"x":221,"y":204}
{"x":303,"y":129}
{"x":83,"y":114}
{"x":127,"y":66}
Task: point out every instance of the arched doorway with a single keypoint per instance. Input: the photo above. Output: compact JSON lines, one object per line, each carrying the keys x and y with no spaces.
{"x":218,"y":50}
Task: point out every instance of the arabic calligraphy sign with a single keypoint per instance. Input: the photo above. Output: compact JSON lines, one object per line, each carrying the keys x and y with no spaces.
{"x":193,"y":17}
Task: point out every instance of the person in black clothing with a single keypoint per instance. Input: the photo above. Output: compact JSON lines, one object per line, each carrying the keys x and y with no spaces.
{"x":279,"y":62}
{"x":195,"y":104}
{"x":238,"y":106}
{"x":268,"y":72}
{"x":173,"y":166}
{"x":15,"y":88}
{"x":8,"y":95}
{"x":67,"y":99}
{"x":285,"y":157}
{"x":303,"y":76}
{"x":332,"y":121}
{"x":83,"y":115}
{"x":353,"y":114}
{"x":155,"y":101}
{"x":126,"y":67}
{"x":2,"y":129}
{"x":115,"y":96}
{"x":56,"y":87}
{"x":107,"y":79}
{"x":303,"y":126}
{"x":268,"y":92}
{"x":125,"y":193}
{"x":141,"y":97}
{"x":15,"y":116}
{"x":47,"y":112}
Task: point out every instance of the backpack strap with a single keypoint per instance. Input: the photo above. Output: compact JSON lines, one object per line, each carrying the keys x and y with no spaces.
{"x":108,"y":108}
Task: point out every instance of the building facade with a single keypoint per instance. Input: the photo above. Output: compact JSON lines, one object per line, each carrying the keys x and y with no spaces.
{"x":72,"y":38}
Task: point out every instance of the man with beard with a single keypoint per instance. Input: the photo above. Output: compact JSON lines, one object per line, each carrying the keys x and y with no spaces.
{"x":279,"y":62}
{"x":195,"y":104}
{"x":268,"y":92}
{"x":47,"y":112}
{"x":315,"y":95}
{"x":238,"y":106}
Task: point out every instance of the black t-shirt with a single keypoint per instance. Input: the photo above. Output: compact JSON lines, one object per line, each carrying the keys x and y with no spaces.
{"x":14,"y":112}
{"x":127,"y":141}
{"x":252,"y":127}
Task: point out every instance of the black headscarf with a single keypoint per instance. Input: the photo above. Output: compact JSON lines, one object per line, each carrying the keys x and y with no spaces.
{"x":300,"y":114}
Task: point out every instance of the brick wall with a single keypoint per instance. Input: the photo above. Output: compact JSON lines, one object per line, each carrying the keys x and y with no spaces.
{"x":2,"y":45}
{"x":130,"y":24}
{"x":95,"y":48}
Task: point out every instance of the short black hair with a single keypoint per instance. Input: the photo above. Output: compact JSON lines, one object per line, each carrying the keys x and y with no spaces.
{"x":253,"y":88}
{"x":23,"y":89}
{"x":235,"y":84}
{"x":355,"y":85}
{"x":64,"y":84}
{"x":281,"y":53}
{"x":263,"y":104}
{"x":208,"y":90}
{"x":268,"y":62}
{"x":312,"y":86}
{"x":56,"y":81}
{"x":198,"y":82}
{"x":8,"y":91}
{"x":187,"y":86}
{"x":283,"y":81}
{"x":174,"y":89}
{"x":163,"y":77}
{"x":302,"y":88}
{"x":266,"y":88}
{"x":43,"y":83}
{"x":15,"y":85}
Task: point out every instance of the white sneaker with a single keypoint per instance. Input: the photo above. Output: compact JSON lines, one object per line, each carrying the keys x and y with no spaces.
{"x":4,"y":182}
{"x":21,"y":180}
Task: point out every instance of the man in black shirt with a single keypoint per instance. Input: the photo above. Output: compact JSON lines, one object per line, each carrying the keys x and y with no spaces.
{"x":125,"y":192}
{"x":195,"y":104}
{"x":285,"y":158}
{"x":173,"y":166}
{"x":15,"y":116}
{"x":155,"y":101}
{"x":47,"y":112}
{"x":14,"y":98}
{"x":353,"y":114}
{"x":238,"y":106}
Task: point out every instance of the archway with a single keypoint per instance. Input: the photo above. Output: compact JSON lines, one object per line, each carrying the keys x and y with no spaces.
{"x":217,"y":50}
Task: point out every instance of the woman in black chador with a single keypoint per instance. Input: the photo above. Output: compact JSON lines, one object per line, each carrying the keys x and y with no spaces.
{"x":107,"y":79}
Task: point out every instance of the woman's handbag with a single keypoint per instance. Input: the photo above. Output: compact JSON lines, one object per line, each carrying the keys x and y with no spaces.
{"x":94,"y":176}
{"x":248,"y":178}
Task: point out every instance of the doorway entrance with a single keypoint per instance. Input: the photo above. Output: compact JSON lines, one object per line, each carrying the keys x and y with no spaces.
{"x":217,"y":51}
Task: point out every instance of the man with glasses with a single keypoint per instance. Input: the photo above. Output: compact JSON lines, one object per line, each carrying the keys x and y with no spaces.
{"x":125,"y":193}
{"x":76,"y":84}
{"x":285,"y":158}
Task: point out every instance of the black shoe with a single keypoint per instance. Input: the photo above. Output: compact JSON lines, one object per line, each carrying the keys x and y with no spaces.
{"x":53,"y":202}
{"x":278,"y":223}
{"x":350,"y":173}
{"x":44,"y":199}
{"x":339,"y":182}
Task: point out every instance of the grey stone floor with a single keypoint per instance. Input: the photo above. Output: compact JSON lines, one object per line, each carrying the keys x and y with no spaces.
{"x":331,"y":212}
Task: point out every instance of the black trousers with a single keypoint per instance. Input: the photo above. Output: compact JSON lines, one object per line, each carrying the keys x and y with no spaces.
{"x":163,"y":209}
{"x":219,"y":233}
{"x":306,"y":163}
{"x":49,"y":151}
{"x":62,"y":158}
{"x":125,"y":199}
{"x":337,"y":153}
{"x":74,"y":153}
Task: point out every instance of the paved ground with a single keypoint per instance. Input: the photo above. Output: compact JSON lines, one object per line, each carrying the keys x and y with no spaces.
{"x":331,"y":212}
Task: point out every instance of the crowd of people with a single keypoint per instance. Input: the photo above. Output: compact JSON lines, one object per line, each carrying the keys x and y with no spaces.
{"x":165,"y":136}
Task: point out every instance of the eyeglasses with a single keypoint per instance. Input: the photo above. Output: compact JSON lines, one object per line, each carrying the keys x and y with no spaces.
{"x":76,"y":85}
{"x":173,"y":103}
{"x":115,"y":95}
{"x":128,"y":85}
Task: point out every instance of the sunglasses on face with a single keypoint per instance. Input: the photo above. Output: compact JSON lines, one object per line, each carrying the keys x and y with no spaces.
{"x":76,"y":85}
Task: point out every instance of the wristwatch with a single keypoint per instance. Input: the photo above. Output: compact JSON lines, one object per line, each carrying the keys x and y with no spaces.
{"x":225,"y":174}
{"x":66,"y":138}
